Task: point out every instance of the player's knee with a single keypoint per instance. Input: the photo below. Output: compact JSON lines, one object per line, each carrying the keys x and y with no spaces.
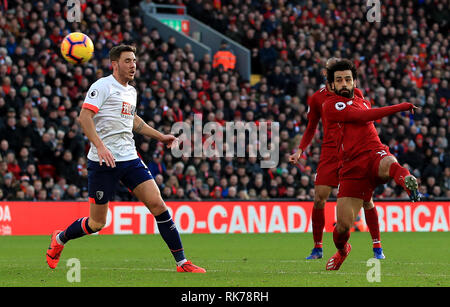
{"x":320,"y":197}
{"x":156,"y":205}
{"x":319,"y":202}
{"x":385,"y":165}
{"x":368,"y":205}
{"x":342,"y":227}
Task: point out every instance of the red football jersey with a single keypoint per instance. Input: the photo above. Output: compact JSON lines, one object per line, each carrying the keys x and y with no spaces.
{"x":315,"y":114}
{"x":354,"y":118}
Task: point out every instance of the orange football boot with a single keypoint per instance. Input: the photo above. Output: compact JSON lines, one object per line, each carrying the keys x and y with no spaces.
{"x":54,"y":250}
{"x":191,"y":268}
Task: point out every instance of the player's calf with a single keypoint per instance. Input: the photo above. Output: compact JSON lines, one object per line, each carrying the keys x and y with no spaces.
{"x":404,"y":178}
{"x":81,"y":227}
{"x":96,"y":226}
{"x":318,"y":219}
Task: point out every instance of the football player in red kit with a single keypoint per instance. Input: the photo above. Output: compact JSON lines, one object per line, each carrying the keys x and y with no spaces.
{"x":364,"y":161}
{"x":327,"y":172}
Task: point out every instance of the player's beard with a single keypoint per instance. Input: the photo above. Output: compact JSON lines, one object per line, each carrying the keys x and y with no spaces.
{"x":125,"y":75}
{"x":347,"y":93}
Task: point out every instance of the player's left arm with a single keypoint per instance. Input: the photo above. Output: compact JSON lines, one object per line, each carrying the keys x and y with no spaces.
{"x":141,"y":127}
{"x":336,"y":109}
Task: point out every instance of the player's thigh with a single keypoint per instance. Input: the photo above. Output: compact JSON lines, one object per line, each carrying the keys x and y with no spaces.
{"x":356,"y":188}
{"x":102,"y":181}
{"x":347,"y":210}
{"x":327,"y":170}
{"x":138,"y":179}
{"x":322,"y":192}
{"x":381,"y":160}
{"x":148,"y":193}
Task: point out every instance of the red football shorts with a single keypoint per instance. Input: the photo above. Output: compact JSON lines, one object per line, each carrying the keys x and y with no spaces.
{"x":328,"y":168}
{"x":359,"y":177}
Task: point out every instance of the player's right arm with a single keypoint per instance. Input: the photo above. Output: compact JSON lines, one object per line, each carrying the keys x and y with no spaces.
{"x":94,"y":100}
{"x":87,"y":124}
{"x":336,"y":109}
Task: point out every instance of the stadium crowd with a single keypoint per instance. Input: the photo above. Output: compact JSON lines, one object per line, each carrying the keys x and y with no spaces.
{"x":402,"y":58}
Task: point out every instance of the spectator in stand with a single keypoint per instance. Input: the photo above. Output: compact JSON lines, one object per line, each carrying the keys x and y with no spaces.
{"x":267,"y":57}
{"x":8,"y":186}
{"x":66,"y":167}
{"x":157,"y":166}
{"x":224,"y":59}
{"x":71,"y":194}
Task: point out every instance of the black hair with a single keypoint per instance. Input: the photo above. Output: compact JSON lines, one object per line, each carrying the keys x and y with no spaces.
{"x":340,"y":66}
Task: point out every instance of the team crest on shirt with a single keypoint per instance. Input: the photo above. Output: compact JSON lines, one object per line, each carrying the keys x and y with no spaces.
{"x":128,"y":110}
{"x":340,"y":106}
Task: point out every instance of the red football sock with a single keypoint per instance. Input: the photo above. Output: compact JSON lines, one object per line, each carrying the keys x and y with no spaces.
{"x":374,"y":228}
{"x":340,"y":238}
{"x":399,"y":173}
{"x":318,"y":222}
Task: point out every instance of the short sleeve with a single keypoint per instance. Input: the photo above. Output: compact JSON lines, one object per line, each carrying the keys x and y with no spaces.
{"x":95,"y":96}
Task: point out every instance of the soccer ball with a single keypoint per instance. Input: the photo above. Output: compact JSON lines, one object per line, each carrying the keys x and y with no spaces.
{"x":77,"y":48}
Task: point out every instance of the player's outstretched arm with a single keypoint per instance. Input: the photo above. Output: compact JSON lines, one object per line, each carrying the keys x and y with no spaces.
{"x":342,"y":112}
{"x":87,"y":124}
{"x":141,"y":127}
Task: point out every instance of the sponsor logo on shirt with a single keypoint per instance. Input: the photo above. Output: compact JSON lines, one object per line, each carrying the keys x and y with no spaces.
{"x":128,"y":110}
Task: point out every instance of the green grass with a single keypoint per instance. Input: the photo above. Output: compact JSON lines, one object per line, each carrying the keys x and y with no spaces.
{"x":238,"y":260}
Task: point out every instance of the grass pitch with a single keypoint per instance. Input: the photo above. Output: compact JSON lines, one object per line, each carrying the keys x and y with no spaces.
{"x":237,"y":260}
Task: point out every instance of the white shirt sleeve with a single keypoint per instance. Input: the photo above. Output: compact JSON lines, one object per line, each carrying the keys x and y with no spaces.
{"x":96,"y":96}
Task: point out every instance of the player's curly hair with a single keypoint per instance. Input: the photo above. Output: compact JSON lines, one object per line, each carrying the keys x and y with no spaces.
{"x":341,"y":65}
{"x":116,"y":51}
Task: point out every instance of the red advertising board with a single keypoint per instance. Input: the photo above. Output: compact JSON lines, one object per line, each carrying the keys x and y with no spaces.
{"x":41,"y":218}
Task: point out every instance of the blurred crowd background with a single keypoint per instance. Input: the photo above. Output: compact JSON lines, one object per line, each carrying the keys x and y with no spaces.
{"x":402,"y":58}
